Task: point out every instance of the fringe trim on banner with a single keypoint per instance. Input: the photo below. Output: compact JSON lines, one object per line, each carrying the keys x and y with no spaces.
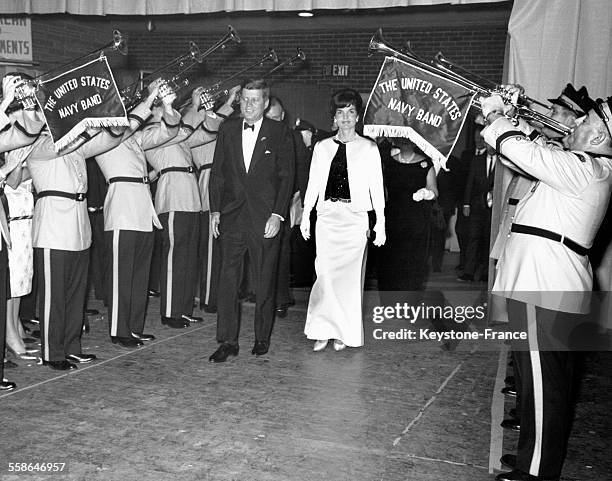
{"x":83,"y":125}
{"x":429,"y":150}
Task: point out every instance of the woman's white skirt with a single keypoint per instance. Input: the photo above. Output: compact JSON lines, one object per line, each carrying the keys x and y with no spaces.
{"x":335,"y":305}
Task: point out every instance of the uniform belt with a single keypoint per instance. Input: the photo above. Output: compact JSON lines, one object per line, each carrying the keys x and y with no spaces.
{"x":137,"y":180}
{"x":94,"y":210}
{"x":527,"y":229}
{"x":204,"y":167}
{"x":513,"y":201}
{"x":189,"y":170}
{"x":23,"y":217}
{"x":338,"y":199}
{"x":79,"y":196}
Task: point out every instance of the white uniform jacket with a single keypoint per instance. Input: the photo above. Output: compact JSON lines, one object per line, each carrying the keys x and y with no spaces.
{"x":178,"y":191}
{"x":61,"y":223}
{"x":128,"y":205}
{"x":569,"y":199}
{"x":364,"y":176}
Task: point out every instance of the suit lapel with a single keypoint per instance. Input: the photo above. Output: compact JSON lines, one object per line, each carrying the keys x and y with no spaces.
{"x":238,"y":155}
{"x":260,"y":144}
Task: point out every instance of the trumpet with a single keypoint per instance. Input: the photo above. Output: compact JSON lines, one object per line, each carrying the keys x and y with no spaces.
{"x":443,"y":68}
{"x":211,"y":94}
{"x":25,"y":91}
{"x":300,"y":55}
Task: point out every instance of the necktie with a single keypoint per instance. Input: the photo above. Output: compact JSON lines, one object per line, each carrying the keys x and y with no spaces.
{"x":246,"y":126}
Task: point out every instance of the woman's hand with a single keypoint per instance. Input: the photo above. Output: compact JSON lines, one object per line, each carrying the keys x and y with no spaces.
{"x":305,"y":227}
{"x":381,"y":235}
{"x":423,"y":194}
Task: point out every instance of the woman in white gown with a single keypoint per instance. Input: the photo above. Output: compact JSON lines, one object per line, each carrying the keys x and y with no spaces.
{"x":345,"y":182}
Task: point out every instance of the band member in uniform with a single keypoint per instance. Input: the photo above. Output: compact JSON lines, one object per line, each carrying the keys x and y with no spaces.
{"x":129,"y":218}
{"x":13,"y":135}
{"x":544,"y":270}
{"x":177,"y":202}
{"x":250,"y":188}
{"x":209,"y":258}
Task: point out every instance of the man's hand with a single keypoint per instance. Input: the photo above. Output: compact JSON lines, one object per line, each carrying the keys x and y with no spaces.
{"x":195,"y":97}
{"x":466,"y":211}
{"x":9,"y":84}
{"x":272,"y":227}
{"x":305,"y":228}
{"x":233,"y":95}
{"x":215,"y":220}
{"x":493,"y":103}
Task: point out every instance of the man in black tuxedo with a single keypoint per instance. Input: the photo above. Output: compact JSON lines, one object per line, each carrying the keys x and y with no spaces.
{"x":477,"y":203}
{"x":251,"y":184}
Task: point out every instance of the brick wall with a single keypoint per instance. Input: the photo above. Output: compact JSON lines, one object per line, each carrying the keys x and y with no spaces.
{"x":480,"y":49}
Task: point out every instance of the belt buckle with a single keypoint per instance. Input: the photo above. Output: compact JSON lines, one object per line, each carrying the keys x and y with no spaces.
{"x":190,"y":169}
{"x":145,"y":179}
{"x":80,"y":196}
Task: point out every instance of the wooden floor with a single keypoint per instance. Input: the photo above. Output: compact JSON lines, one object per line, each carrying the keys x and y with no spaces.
{"x":389,"y":411}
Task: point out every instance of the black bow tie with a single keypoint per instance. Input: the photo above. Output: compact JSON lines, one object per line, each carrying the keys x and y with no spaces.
{"x":246,"y":126}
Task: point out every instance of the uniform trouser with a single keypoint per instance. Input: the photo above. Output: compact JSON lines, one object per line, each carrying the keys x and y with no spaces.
{"x":128,"y":273}
{"x":3,"y":291}
{"x":179,"y":268}
{"x":156,"y":261}
{"x":263,"y":258}
{"x":209,"y":262}
{"x":283,"y":293}
{"x":62,"y":284}
{"x":546,"y":385}
{"x":98,"y":252}
{"x":479,"y":231}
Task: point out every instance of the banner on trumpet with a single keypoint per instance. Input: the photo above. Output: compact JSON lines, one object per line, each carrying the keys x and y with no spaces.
{"x":407,"y":101}
{"x":83,"y":97}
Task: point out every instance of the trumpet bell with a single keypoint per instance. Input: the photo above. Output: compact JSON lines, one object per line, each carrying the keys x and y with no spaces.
{"x":233,"y":34}
{"x":300,"y":54}
{"x":195,"y":52}
{"x":119,"y":43}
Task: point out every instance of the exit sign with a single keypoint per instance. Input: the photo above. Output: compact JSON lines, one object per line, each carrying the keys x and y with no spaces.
{"x":336,"y":70}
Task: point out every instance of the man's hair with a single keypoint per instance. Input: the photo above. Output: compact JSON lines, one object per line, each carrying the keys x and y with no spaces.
{"x":275,"y":101}
{"x":257,"y":84}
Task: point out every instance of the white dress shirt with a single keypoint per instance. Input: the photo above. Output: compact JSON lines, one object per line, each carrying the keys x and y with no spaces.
{"x":249,"y":137}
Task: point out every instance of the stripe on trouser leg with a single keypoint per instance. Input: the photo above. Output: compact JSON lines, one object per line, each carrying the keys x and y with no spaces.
{"x":538,"y":389}
{"x":170,"y":256}
{"x":115,"y":306}
{"x":209,"y":247}
{"x":47,"y":313}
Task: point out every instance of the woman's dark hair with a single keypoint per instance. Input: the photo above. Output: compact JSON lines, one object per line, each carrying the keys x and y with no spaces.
{"x":344,"y":98}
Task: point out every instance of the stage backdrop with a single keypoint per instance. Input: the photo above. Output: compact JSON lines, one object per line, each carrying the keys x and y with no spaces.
{"x":554,"y":42}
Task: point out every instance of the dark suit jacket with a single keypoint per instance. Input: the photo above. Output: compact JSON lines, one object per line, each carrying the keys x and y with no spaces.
{"x":246,"y":200}
{"x":478,"y":183}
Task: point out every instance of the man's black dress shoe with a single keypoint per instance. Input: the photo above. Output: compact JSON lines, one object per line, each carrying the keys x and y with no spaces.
{"x":7,"y":386}
{"x":281,"y":311}
{"x":260,"y":348}
{"x":512,"y":424}
{"x":8,"y":364}
{"x":175,"y":322}
{"x":60,"y":365}
{"x":222,"y":353}
{"x":81,"y":358}
{"x":31,"y":320}
{"x":517,"y":475}
{"x":92,"y":312}
{"x":509,"y":391}
{"x":465,"y":278}
{"x":153,"y":293}
{"x":192,"y":318}
{"x":208,"y":309}
{"x":508,"y":460}
{"x":126,"y":341}
{"x":143,"y":337}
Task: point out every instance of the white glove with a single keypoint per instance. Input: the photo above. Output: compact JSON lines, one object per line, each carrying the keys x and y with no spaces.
{"x":423,"y":194}
{"x":493,"y":103}
{"x":305,"y":227}
{"x":381,"y":236}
